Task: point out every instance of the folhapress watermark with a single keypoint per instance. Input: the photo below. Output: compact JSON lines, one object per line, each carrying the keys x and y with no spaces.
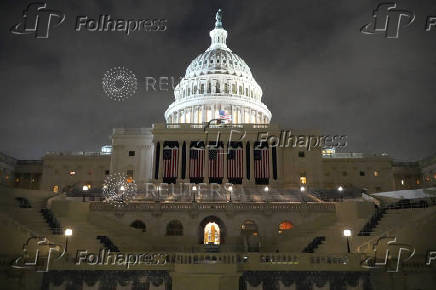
{"x":105,"y":23}
{"x":38,"y":20}
{"x":391,"y":258}
{"x":38,"y":253}
{"x":127,"y":260}
{"x":387,"y":20}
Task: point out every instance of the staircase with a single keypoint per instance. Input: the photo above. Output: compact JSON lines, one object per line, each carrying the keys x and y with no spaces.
{"x":369,"y":227}
{"x":313,"y":245}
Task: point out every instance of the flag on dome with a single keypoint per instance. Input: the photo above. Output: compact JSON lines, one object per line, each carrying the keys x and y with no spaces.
{"x":226,"y":118}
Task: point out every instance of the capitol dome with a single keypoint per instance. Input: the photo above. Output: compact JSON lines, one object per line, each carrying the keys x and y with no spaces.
{"x":218,"y":84}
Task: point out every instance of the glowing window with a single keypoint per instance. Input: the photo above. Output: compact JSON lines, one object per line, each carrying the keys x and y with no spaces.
{"x":212,"y":234}
{"x":402,"y":182}
{"x":56,"y":189}
{"x":285,"y":226}
{"x":376,"y":173}
{"x":303,"y":180}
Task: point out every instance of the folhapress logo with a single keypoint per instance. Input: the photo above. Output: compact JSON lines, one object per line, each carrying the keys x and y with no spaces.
{"x":38,"y":20}
{"x":37,"y":254}
{"x":387,"y":20}
{"x":388,"y":254}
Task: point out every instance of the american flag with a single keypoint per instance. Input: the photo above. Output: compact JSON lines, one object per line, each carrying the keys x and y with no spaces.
{"x":196,"y":161}
{"x":216,"y":163}
{"x":225,"y":117}
{"x":235,"y":163}
{"x":261,"y":163}
{"x":170,"y":159}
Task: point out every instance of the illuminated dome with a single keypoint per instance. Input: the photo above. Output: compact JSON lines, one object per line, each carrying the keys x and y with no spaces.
{"x":218,"y":80}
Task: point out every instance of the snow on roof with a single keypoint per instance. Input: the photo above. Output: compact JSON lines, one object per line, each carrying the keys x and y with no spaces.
{"x":409,"y":193}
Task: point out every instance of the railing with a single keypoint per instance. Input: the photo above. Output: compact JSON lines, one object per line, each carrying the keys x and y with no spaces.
{"x":354,"y":155}
{"x":132,"y":131}
{"x":79,"y":153}
{"x":203,"y":125}
{"x":273,"y":206}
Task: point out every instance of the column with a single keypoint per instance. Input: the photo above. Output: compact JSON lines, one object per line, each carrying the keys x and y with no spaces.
{"x":252,"y":181}
{"x":188,"y":152}
{"x":179,"y":161}
{"x":192,"y":115}
{"x":161,"y":160}
{"x":225,"y":179}
{"x":203,"y":114}
{"x":271,"y":175}
{"x":244,"y":159}
{"x":206,"y":163}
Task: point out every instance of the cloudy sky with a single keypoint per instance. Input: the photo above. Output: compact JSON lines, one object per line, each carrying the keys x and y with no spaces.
{"x":315,"y":68}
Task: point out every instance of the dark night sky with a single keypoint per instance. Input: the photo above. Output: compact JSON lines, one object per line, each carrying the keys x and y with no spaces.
{"x":315,"y":68}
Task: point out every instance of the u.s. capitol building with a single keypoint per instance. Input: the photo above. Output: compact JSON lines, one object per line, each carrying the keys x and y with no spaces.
{"x":222,"y":199}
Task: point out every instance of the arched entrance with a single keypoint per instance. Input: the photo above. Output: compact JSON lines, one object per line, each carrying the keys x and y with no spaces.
{"x":211,"y":231}
{"x":250,"y":236}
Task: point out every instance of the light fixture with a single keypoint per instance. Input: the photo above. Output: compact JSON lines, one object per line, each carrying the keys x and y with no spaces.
{"x":194,"y":187}
{"x":85,"y":188}
{"x":266,"y":189}
{"x":347,"y":234}
{"x":230,"y":188}
{"x":68,"y":232}
{"x":122,"y":188}
{"x":302,"y":188}
{"x":340,"y":188}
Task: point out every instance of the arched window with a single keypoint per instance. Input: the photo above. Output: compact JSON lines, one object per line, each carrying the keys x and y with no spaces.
{"x":211,"y":234}
{"x":249,"y":227}
{"x":174,"y":228}
{"x":138,"y":224}
{"x":285,"y":226}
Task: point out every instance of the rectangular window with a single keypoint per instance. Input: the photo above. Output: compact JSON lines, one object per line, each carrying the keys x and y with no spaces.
{"x":130,"y":173}
{"x":131,"y":153}
{"x":301,"y":154}
{"x":303,"y":180}
{"x":376,"y":173}
{"x":362,"y":173}
{"x":106,"y":172}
